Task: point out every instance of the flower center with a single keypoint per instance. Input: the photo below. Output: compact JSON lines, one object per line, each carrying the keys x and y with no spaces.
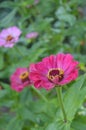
{"x":9,"y":38}
{"x":24,"y":76}
{"x":55,"y":73}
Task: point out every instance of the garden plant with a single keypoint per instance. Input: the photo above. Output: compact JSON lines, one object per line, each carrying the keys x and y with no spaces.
{"x":42,"y":65}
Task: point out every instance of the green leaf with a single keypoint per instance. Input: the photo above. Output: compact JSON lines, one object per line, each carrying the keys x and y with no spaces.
{"x":7,"y":4}
{"x":5,"y":86}
{"x":1,"y":61}
{"x":8,"y":19}
{"x":58,"y":125}
{"x":74,"y":97}
{"x":3,"y":93}
{"x":15,"y":124}
{"x":27,"y":114}
{"x":79,"y":123}
{"x":37,"y":128}
{"x":64,"y":15}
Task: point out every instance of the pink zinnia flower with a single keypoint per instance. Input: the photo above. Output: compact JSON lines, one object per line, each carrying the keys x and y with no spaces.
{"x":20,"y":79}
{"x":55,"y":70}
{"x":32,"y":35}
{"x":9,"y":36}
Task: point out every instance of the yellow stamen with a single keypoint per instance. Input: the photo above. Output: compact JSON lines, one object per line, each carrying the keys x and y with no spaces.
{"x":24,"y":75}
{"x":55,"y":73}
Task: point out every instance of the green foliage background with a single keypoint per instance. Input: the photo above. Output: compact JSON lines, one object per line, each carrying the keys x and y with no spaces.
{"x":61,"y":25}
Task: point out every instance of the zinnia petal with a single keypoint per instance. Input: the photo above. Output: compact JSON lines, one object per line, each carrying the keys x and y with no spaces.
{"x":53,"y":71}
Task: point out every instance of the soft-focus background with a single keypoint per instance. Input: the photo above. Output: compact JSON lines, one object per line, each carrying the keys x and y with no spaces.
{"x":61,"y":27}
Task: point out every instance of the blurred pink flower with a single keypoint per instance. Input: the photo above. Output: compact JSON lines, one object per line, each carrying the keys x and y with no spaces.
{"x":55,"y":70}
{"x":9,"y":36}
{"x":20,"y":79}
{"x":36,"y":2}
{"x":32,"y":35}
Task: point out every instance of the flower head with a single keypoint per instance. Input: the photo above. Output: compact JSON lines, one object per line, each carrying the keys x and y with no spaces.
{"x":20,"y":79}
{"x":9,"y":36}
{"x":32,"y":35}
{"x":55,"y":70}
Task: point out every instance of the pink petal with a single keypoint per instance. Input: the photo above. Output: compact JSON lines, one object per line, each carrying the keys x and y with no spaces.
{"x":69,"y":78}
{"x":2,"y":42}
{"x":14,"y":31}
{"x":59,"y":59}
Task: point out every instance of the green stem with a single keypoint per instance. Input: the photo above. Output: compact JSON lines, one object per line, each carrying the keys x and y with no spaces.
{"x":39,"y":94}
{"x":59,"y":94}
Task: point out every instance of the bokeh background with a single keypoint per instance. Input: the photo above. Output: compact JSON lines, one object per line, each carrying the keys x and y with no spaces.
{"x":61,"y":27}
